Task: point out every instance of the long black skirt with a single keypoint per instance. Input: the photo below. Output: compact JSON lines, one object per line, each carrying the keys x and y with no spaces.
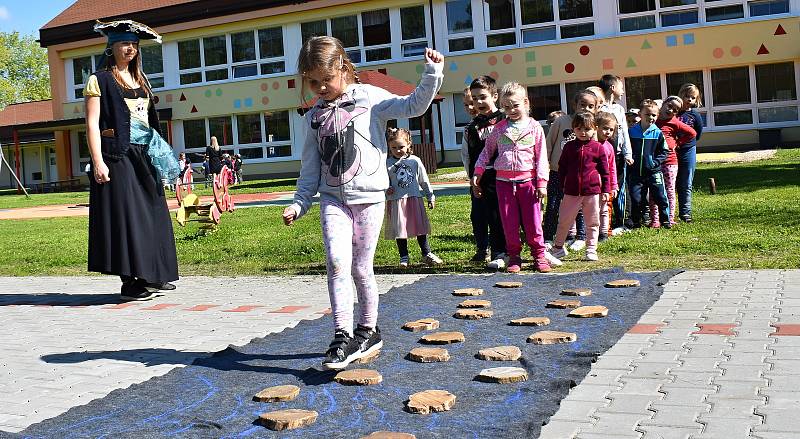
{"x":130,"y":229}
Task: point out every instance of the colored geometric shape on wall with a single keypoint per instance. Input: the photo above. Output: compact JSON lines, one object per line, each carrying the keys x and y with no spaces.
{"x":492,"y":60}
{"x":218,"y":92}
{"x":718,"y":53}
{"x":646,"y":45}
{"x":630,"y":63}
{"x":608,"y":64}
{"x":547,"y":70}
{"x":468,"y":80}
{"x":248,"y":102}
{"x":507,"y":58}
{"x":276,"y":85}
{"x":530,"y":56}
{"x":736,"y":50}
{"x":290,"y":83}
{"x":183,"y":97}
{"x":265,"y":100}
{"x":194,"y":109}
{"x":780,"y":30}
{"x":208,"y":93}
{"x":584,"y":50}
{"x":453,"y":66}
{"x":264,"y":86}
{"x":531,"y":72}
{"x":763,"y":50}
{"x":169,"y":97}
{"x":569,"y":67}
{"x":688,"y":39}
{"x":237,"y":103}
{"x":494,"y":75}
{"x":672,"y":40}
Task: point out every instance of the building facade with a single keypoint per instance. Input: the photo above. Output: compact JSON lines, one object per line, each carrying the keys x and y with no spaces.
{"x":230,"y":70}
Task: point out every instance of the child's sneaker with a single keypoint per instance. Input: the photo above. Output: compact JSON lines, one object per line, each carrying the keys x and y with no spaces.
{"x":498,"y":262}
{"x":591,"y":256}
{"x":480,"y":257}
{"x":578,"y":245}
{"x":559,"y":253}
{"x":514,"y":265}
{"x":543,"y":267}
{"x":602,"y":237}
{"x":404,"y":261}
{"x":367,"y":340}
{"x":548,"y":245}
{"x":432,"y":259}
{"x":552,"y":260}
{"x":342,"y":351}
{"x":667,"y":225}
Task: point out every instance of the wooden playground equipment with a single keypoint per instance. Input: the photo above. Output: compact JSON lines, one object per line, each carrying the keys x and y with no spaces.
{"x":208,"y":213}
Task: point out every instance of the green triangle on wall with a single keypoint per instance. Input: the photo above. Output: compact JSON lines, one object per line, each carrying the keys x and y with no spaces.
{"x":630,"y":63}
{"x":646,"y":45}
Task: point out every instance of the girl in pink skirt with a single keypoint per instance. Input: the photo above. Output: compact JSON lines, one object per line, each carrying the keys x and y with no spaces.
{"x":405,"y":209}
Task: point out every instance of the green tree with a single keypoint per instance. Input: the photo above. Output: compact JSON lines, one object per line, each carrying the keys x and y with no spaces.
{"x":24,"y":73}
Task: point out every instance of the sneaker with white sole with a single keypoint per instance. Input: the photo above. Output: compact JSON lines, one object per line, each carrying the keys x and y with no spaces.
{"x":342,"y":351}
{"x":498,"y":263}
{"x":548,"y":245}
{"x":591,"y":256}
{"x":552,"y":260}
{"x":432,"y":259}
{"x":577,"y":245}
{"x":404,"y":261}
{"x":368,"y":340}
{"x":559,"y":253}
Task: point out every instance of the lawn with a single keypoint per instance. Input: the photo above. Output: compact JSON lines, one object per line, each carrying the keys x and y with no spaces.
{"x":751,"y":222}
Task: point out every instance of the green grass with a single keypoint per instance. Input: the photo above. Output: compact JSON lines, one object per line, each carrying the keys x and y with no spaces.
{"x":751,"y":222}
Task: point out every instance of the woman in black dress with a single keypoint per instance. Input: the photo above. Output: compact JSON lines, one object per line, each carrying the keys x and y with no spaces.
{"x":130,"y":229}
{"x":214,"y":154}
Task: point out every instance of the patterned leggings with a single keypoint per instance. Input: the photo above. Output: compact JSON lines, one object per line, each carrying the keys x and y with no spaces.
{"x":350,"y":234}
{"x":670,"y":176}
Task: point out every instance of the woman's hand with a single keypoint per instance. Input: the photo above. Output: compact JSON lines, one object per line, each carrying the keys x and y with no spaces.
{"x":541,"y":193}
{"x":101,"y":173}
{"x":289,"y":215}
{"x":431,"y":204}
{"x":629,"y":161}
{"x":475,"y":182}
{"x":433,"y":56}
{"x":604,"y":197}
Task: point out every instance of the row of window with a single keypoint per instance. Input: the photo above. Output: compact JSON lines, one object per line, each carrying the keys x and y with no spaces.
{"x":152,"y":64}
{"x":253,"y":135}
{"x":648,"y":14}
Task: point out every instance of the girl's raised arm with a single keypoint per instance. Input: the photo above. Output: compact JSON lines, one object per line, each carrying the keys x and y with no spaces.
{"x":389,"y":106}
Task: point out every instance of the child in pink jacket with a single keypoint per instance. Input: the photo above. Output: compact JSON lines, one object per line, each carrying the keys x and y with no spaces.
{"x":517,"y":142}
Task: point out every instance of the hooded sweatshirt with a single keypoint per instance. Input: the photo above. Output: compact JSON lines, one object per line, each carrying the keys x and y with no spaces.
{"x":583,"y":168}
{"x":519,"y":150}
{"x":676,"y":134}
{"x":344,"y":155}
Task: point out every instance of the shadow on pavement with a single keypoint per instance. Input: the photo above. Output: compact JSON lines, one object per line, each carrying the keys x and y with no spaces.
{"x":59,"y":299}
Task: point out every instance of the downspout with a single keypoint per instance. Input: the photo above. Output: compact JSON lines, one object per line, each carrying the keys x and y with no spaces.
{"x":438,"y":104}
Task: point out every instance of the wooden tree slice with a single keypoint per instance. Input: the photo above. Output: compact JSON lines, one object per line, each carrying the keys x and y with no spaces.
{"x":589,"y":311}
{"x":508,"y":284}
{"x":287,"y":419}
{"x":429,"y":355}
{"x":369,"y":358}
{"x":623,"y":283}
{"x":475,"y":303}
{"x":564,"y":303}
{"x":576,"y":292}
{"x":473,"y":314}
{"x":421,"y":325}
{"x":503,"y":375}
{"x":552,"y":337}
{"x":530,"y":321}
{"x":277,"y":394}
{"x":430,"y":401}
{"x":500,"y":353}
{"x":442,"y":338}
{"x":358,"y":377}
{"x":389,"y":435}
{"x":468,"y":292}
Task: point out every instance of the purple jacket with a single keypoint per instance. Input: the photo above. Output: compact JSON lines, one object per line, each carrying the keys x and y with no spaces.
{"x":519,"y":158}
{"x":583,"y":168}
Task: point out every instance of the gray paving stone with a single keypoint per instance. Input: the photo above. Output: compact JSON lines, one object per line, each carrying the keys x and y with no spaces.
{"x":728,"y":429}
{"x":693,"y":379}
{"x":629,"y":403}
{"x":699,"y":364}
{"x":613,"y":363}
{"x":620,"y":435}
{"x":679,"y":394}
{"x":650,"y":356}
{"x":736,"y":390}
{"x":732,"y":409}
{"x":591,"y":393}
{"x":562,"y":429}
{"x":662,"y":432}
{"x":704,"y":351}
{"x":612,"y":423}
{"x":783,"y":367}
{"x":780,"y":420}
{"x":652,"y":370}
{"x":579,"y":411}
{"x":640,"y":387}
{"x":676,"y":416}
{"x":603,"y":377}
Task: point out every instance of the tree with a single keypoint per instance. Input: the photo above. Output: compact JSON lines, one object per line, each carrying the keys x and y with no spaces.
{"x":24,"y":73}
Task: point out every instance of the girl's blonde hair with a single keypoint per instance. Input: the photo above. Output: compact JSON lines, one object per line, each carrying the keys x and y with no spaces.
{"x":399,"y":134}
{"x":689,"y":88}
{"x":327,"y":54}
{"x":214,"y":143}
{"x":597,"y":91}
{"x":513,"y":89}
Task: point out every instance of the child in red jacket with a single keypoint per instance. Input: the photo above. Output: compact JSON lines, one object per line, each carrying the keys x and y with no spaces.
{"x":585,"y":177}
{"x":676,"y":134}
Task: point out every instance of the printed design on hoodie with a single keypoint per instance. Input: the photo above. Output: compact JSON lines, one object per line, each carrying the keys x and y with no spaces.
{"x":340,"y":156}
{"x":404,"y":174}
{"x":569,"y":136}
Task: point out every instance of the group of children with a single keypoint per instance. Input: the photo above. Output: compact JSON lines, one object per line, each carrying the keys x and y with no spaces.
{"x":365,"y":173}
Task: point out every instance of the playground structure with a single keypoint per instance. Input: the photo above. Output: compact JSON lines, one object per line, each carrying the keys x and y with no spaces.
{"x":208,"y":214}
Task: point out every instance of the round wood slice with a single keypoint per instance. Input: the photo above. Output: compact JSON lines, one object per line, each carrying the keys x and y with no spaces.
{"x":508,"y":284}
{"x":503,"y":375}
{"x":564,"y":303}
{"x":552,"y":337}
{"x":287,"y":419}
{"x":369,"y":358}
{"x":623,"y":283}
{"x":442,"y":338}
{"x":576,"y":292}
{"x":468,"y":292}
{"x":530,"y":321}
{"x":500,"y":353}
{"x":421,"y":325}
{"x":475,"y":303}
{"x":358,"y":377}
{"x":430,"y":401}
{"x":389,"y":435}
{"x":589,"y":311}
{"x":277,"y":394}
{"x":473,"y":314}
{"x":429,"y":355}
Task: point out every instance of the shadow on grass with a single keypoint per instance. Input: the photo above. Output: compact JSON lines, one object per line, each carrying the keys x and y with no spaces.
{"x":737,"y":178}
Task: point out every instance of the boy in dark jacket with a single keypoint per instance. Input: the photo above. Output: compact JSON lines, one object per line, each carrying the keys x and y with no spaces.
{"x":485,"y":211}
{"x":649,"y":152}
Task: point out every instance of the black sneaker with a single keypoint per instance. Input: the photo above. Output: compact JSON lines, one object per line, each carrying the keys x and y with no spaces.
{"x":342,"y":351}
{"x":666,"y":225}
{"x":686,"y":218}
{"x":134,"y":291}
{"x":162,"y":286}
{"x":480,"y":257}
{"x":368,"y":340}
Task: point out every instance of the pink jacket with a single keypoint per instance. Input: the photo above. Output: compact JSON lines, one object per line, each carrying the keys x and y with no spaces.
{"x":519,"y":156}
{"x":612,"y":164}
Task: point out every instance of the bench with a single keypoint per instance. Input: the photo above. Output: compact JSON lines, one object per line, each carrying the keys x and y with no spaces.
{"x":72,"y":184}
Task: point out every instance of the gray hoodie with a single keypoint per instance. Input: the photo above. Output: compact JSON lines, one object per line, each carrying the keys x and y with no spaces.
{"x":344,"y":156}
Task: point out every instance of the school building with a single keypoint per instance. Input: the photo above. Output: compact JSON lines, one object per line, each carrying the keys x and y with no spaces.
{"x":228,"y":69}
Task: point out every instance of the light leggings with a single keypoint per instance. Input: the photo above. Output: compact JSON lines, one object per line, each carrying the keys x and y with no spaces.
{"x":350,"y":233}
{"x":670,"y":176}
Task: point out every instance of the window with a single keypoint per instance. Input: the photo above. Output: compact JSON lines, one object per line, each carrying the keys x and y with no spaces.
{"x":731,"y":12}
{"x":775,"y":82}
{"x":82,"y":68}
{"x":194,"y":134}
{"x":222,"y":128}
{"x":648,"y":14}
{"x":313,"y":29}
{"x":195,"y":56}
{"x":571,"y":9}
{"x":153,"y":64}
{"x":727,"y":118}
{"x":639,"y":88}
{"x":759,"y":8}
{"x":270,"y":45}
{"x":462,"y":117}
{"x":415,"y":127}
{"x":572,"y":88}
{"x":253,"y":135}
{"x":730,"y":86}
{"x":248,"y":128}
{"x":541,"y":22}
{"x":577,"y":30}
{"x":676,"y":80}
{"x":499,"y":16}
{"x":459,"y":22}
{"x":414,"y":31}
{"x":279,"y":139}
{"x":633,"y":6}
{"x":84,"y":158}
{"x":637,"y":23}
{"x":678,"y":18}
{"x":777,"y":114}
{"x":544,"y":99}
